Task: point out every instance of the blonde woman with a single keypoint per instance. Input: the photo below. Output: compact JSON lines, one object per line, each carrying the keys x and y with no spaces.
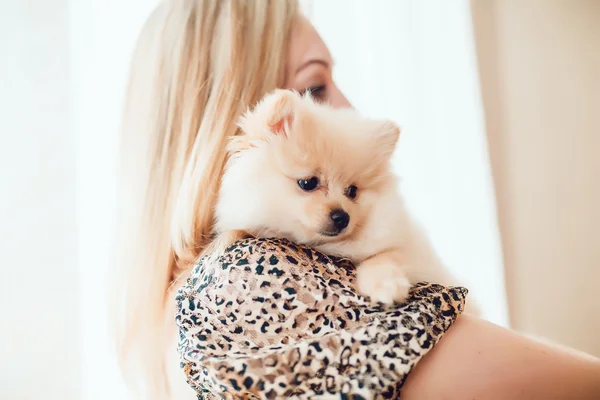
{"x":197,"y":65}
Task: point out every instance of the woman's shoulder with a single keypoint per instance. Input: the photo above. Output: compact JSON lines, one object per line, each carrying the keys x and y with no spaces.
{"x":265,"y":304}
{"x":255,"y":264}
{"x":275,"y":251}
{"x":276,"y":273}
{"x":255,"y":267}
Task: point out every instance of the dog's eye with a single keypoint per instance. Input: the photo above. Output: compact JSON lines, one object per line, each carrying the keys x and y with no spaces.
{"x":309,"y":184}
{"x":352,"y":191}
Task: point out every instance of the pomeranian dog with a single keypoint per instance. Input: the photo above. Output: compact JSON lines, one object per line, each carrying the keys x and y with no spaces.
{"x":321,"y":177}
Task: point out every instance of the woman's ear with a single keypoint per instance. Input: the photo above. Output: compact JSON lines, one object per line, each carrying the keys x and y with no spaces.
{"x":273,"y":115}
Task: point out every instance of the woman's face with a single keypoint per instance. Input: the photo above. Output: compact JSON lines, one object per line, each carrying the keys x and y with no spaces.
{"x":309,"y":66}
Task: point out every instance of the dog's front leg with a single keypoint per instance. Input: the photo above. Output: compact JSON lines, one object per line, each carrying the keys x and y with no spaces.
{"x":382,"y":278}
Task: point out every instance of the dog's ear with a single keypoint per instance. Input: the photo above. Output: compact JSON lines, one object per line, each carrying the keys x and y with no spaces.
{"x":387,"y":134}
{"x":273,"y":115}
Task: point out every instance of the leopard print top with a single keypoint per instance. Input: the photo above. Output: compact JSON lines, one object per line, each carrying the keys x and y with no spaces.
{"x":271,"y":320}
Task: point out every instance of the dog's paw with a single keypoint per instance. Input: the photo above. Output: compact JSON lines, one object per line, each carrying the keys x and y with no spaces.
{"x":385,"y":283}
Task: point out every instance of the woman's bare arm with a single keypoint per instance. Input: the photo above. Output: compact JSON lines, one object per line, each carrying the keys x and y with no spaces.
{"x":479,"y":360}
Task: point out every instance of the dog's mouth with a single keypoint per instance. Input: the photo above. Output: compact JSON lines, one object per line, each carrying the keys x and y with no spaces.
{"x":329,"y":234}
{"x":332,"y":234}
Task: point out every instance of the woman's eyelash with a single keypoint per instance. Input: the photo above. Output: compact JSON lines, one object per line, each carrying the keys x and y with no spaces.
{"x":315,"y":91}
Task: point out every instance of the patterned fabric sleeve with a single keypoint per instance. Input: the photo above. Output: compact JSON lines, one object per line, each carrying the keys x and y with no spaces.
{"x":271,"y":320}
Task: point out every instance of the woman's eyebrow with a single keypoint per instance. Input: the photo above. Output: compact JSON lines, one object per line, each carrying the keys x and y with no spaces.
{"x":313,"y":61}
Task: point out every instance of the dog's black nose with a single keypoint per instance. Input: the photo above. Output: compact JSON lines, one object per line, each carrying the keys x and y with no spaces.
{"x":340,"y":219}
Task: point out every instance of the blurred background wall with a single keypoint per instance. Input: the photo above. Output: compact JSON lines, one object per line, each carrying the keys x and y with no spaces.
{"x":539,"y":64}
{"x":39,"y":295}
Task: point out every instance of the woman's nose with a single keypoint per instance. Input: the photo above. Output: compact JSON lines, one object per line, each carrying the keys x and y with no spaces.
{"x":337,"y":99}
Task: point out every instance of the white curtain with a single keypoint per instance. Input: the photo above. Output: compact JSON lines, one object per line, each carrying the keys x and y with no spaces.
{"x":103,"y":34}
{"x":414,"y":62}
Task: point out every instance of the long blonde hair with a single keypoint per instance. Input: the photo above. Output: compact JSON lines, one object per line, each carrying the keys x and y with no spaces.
{"x":197,"y":65}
